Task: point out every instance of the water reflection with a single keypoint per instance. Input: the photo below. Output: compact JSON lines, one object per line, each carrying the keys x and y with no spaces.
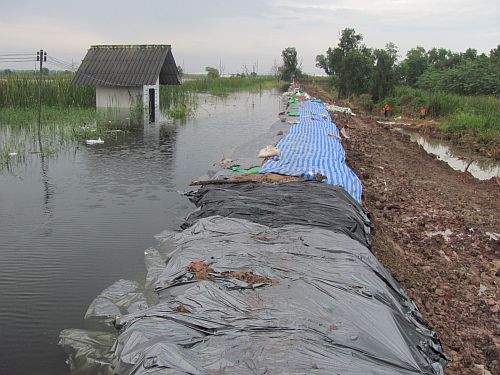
{"x":482,"y":169}
{"x":74,"y":221}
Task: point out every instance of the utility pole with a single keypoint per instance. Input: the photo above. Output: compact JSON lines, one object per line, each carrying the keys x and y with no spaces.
{"x":41,"y":56}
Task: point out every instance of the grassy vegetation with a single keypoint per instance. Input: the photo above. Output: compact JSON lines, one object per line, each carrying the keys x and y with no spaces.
{"x":25,"y":116}
{"x":22,"y":91}
{"x":467,"y":120}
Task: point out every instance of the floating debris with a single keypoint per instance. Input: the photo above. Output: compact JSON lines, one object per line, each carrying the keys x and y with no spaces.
{"x":97,"y":141}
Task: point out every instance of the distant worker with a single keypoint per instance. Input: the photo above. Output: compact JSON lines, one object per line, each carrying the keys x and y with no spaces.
{"x":387,"y":108}
{"x":423,"y":112}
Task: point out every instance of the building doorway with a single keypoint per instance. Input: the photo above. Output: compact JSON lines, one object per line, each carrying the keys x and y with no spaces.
{"x":152,"y":105}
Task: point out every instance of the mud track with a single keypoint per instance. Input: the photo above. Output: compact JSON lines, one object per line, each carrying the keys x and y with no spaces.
{"x":431,"y":231}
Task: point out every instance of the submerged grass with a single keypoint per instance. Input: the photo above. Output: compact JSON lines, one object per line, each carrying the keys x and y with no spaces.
{"x":69,"y":114}
{"x":225,"y":85}
{"x":181,"y":101}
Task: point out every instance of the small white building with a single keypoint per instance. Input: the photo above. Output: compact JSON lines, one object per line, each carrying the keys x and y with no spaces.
{"x":128,"y":75}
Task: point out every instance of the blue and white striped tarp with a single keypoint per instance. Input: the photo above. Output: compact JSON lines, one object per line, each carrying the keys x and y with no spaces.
{"x":307,"y":149}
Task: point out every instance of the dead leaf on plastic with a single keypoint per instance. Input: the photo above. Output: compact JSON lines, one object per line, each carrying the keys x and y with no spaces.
{"x":262,"y":238}
{"x":200,"y":270}
{"x":181,"y":308}
{"x":249,"y":277}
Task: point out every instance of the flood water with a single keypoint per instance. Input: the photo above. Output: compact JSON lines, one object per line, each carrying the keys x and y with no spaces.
{"x":482,"y":169}
{"x":79,"y":221}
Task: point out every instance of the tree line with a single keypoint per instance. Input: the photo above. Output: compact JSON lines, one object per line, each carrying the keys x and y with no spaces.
{"x":356,"y":69}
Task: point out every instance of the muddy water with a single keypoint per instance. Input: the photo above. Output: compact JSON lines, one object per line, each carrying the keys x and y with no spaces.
{"x":74,"y":224}
{"x":482,"y":169}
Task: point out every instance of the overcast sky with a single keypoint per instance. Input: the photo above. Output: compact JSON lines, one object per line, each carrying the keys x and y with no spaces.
{"x":236,"y":32}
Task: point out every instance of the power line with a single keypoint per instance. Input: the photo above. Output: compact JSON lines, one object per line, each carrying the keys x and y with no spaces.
{"x":59,"y":65}
{"x":15,"y":54}
{"x":17,"y":58}
{"x":61,"y":62}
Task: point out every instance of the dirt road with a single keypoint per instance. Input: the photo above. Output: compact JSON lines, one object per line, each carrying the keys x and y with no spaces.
{"x":434,"y":230}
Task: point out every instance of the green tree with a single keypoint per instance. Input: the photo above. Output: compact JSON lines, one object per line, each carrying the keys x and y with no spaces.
{"x":212,"y":72}
{"x":470,"y":54}
{"x":350,"y":64}
{"x":290,"y":67}
{"x":415,"y":64}
{"x":180,"y":71}
{"x":384,"y":75}
{"x":495,"y":55}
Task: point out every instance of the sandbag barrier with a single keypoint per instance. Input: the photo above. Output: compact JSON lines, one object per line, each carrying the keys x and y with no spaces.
{"x":263,"y":279}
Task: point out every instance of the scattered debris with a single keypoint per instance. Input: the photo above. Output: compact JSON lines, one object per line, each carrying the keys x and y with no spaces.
{"x":493,"y":236}
{"x":336,"y":108}
{"x":335,"y":136}
{"x":393,"y":123}
{"x":313,"y":176}
{"x":482,"y":369}
{"x":97,"y":141}
{"x":482,"y":289}
{"x":446,"y":234}
{"x":262,"y":238}
{"x":201,"y":270}
{"x":243,"y":178}
{"x":181,"y":308}
{"x":248,"y":277}
{"x":344,"y":133}
{"x":268,"y":151}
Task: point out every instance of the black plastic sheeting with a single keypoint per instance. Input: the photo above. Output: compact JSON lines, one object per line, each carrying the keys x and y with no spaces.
{"x":324,"y":305}
{"x":327,"y":305}
{"x":264,"y":279}
{"x":310,"y":203}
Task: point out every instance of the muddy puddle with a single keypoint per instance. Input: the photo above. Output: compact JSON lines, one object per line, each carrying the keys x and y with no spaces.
{"x":482,"y":169}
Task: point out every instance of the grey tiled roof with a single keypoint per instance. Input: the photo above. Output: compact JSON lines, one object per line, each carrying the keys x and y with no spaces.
{"x":127,"y":65}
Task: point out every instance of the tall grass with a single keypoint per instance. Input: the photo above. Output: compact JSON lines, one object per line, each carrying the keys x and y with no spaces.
{"x":22,"y":91}
{"x":440,"y":104}
{"x":466,"y":119}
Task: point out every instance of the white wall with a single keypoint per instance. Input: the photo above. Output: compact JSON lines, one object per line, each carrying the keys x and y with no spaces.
{"x":117,"y":97}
